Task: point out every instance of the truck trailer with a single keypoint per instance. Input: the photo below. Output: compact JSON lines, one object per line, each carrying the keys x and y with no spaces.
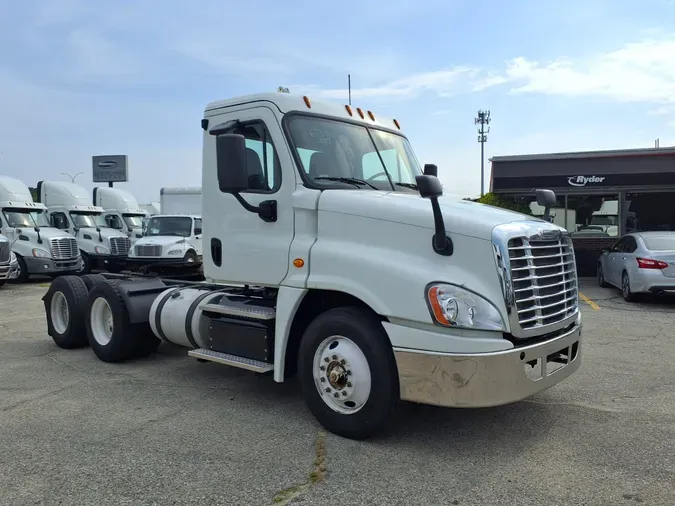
{"x":331,"y":255}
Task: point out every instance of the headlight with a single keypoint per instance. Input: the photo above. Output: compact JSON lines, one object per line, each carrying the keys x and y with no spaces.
{"x":40,"y":253}
{"x":453,"y":306}
{"x":175,"y":252}
{"x":102,"y":250}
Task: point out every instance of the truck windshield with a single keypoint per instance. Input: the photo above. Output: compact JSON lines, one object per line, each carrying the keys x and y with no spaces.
{"x":87,"y":220}
{"x":169,"y":225}
{"x":133,"y":220}
{"x":17,"y":218}
{"x":607,"y":219}
{"x":362,"y":157}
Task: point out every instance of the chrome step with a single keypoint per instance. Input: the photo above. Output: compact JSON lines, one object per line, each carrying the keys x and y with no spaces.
{"x":233,"y":360}
{"x":257,"y":312}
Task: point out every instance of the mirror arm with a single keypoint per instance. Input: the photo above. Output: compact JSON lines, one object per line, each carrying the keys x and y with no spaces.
{"x":267,"y":210}
{"x":442,"y":244}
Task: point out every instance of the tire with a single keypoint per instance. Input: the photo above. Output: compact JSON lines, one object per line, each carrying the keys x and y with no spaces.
{"x":66,"y":326}
{"x":628,"y":296}
{"x":91,"y":279}
{"x":601,"y":277}
{"x":105,"y":309}
{"x":360,"y":340}
{"x":191,"y":257}
{"x":24,"y":275}
{"x":86,"y":264}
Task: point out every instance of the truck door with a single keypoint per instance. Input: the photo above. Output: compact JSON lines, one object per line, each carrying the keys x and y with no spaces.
{"x":239,"y":246}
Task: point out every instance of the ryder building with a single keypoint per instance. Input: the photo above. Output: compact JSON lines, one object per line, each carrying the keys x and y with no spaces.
{"x":601,"y":194}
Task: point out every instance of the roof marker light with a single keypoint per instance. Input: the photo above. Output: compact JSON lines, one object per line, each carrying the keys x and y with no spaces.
{"x":358,"y":109}
{"x":307,"y":102}
{"x":349,"y":110}
{"x":371,"y":115}
{"x":397,"y":125}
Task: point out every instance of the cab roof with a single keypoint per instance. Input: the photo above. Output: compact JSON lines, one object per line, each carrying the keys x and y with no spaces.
{"x":287,"y":102}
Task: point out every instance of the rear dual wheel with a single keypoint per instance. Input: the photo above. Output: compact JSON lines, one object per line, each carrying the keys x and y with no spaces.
{"x":112,"y":337}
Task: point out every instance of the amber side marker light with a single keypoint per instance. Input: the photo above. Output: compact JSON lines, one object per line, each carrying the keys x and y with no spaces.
{"x":358,"y":109}
{"x":371,"y":115}
{"x":298,"y":262}
{"x":307,"y":102}
{"x":349,"y":110}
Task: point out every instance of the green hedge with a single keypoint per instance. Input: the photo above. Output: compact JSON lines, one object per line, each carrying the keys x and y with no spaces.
{"x":495,"y":200}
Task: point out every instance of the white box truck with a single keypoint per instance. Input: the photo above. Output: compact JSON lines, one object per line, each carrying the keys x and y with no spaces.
{"x":330,"y":254}
{"x":180,"y":200}
{"x":39,"y":248}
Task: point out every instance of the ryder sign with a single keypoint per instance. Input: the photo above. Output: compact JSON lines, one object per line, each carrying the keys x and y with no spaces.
{"x":584,"y":180}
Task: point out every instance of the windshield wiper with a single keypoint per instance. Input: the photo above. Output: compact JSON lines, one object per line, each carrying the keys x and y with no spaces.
{"x":412,"y":186}
{"x":351,"y":180}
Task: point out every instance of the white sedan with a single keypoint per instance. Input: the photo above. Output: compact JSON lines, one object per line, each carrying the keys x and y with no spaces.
{"x":640,"y":262}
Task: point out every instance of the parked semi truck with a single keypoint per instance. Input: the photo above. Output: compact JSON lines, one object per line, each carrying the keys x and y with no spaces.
{"x":39,"y":248}
{"x":121,"y":211}
{"x":70,"y":209}
{"x":330,"y":254}
{"x":9,"y":266}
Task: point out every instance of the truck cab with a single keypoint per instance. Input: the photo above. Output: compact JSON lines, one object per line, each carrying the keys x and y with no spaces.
{"x":332,"y":255}
{"x":39,"y":248}
{"x":70,"y":209}
{"x":9,"y":266}
{"x":171,"y":241}
{"x":121,"y":211}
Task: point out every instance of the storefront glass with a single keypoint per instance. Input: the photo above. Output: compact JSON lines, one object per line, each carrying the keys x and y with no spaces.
{"x":650,"y":211}
{"x":593,"y":216}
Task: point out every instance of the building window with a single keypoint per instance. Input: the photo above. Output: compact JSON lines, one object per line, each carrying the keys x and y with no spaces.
{"x":528,"y":204}
{"x":593,"y":216}
{"x":649,"y":211}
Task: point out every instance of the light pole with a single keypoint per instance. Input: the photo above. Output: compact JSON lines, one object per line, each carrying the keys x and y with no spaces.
{"x":72,"y":178}
{"x":483,"y":119}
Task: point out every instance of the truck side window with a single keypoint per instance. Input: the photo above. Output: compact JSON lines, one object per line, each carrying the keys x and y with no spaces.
{"x":59,"y":220}
{"x":113,"y":221}
{"x":264,"y":170}
{"x":198,"y":226}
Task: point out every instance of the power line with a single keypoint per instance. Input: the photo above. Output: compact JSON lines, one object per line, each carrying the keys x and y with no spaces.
{"x":482,"y":119}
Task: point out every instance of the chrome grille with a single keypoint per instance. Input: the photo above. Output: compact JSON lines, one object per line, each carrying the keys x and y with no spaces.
{"x":64,"y":248}
{"x":120,"y":246}
{"x":544,"y":278}
{"x":148,"y":251}
{"x":5,"y":249}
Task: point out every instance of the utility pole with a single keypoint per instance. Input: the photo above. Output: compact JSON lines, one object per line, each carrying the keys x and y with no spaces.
{"x":349,"y":87}
{"x":72,"y":178}
{"x":482,"y":119}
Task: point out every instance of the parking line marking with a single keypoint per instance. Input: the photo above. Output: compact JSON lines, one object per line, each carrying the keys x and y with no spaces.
{"x":589,"y":301}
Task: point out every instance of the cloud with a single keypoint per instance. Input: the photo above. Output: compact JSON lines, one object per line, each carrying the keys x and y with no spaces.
{"x":638,"y":72}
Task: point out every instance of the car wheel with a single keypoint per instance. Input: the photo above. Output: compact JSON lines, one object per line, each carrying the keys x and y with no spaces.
{"x":628,"y":296}
{"x":601,"y":277}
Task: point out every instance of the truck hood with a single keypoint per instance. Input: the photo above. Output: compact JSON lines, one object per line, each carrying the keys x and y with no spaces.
{"x":46,"y":234}
{"x":106,"y":233}
{"x":460,"y":216}
{"x":161,"y":240}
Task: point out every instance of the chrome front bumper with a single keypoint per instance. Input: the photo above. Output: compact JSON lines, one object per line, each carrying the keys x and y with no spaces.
{"x":487,"y":379}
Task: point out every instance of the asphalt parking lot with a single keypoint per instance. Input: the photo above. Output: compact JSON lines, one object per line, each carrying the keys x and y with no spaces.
{"x":171,"y":431}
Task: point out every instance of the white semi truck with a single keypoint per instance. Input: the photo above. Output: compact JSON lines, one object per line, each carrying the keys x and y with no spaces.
{"x":325,"y":261}
{"x":172,"y":240}
{"x":39,"y":248}
{"x":70,"y":209}
{"x":9,"y":265}
{"x":121,"y":211}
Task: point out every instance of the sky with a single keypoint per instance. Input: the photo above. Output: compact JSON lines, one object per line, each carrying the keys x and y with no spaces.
{"x":83,"y":77}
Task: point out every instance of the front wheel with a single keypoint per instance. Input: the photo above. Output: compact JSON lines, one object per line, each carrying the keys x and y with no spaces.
{"x":22,"y":276}
{"x":348,"y":372}
{"x":85,"y":268}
